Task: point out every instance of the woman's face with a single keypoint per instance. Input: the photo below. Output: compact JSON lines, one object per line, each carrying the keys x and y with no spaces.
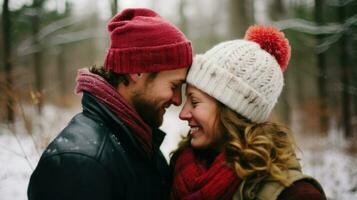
{"x":200,"y":111}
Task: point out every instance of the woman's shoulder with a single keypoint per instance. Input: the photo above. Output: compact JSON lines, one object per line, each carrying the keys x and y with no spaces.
{"x":302,"y":189}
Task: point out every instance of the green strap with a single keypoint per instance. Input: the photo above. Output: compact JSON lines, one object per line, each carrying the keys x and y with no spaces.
{"x":270,"y":190}
{"x":239,"y":194}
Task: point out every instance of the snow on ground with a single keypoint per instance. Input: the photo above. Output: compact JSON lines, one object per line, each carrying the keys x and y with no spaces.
{"x":18,"y":154}
{"x":322,"y":158}
{"x":329,"y":163}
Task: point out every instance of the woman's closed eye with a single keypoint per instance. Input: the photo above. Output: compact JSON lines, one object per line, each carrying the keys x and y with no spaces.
{"x":194,"y":102}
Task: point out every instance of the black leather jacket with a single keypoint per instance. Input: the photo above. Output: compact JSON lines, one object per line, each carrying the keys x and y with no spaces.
{"x":96,"y":157}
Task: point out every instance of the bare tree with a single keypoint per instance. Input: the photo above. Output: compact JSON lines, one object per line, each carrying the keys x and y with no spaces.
{"x":114,"y":6}
{"x":277,"y":9}
{"x":8,"y":61}
{"x":61,"y":63}
{"x":345,"y":76}
{"x":276,"y":12}
{"x":241,"y":16}
{"x":321,"y":64}
{"x":62,"y":69}
{"x":183,"y":20}
{"x":37,"y":56}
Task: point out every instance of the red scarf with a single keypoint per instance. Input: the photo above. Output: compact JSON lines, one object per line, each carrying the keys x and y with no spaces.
{"x":194,"y":181}
{"x":102,"y":90}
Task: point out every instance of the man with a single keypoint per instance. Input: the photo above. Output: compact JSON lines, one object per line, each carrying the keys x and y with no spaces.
{"x":111,"y":149}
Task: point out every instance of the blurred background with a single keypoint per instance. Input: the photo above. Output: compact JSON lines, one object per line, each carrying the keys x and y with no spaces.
{"x":44,"y":42}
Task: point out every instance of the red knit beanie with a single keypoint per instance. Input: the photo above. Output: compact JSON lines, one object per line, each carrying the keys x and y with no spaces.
{"x":142,"y":41}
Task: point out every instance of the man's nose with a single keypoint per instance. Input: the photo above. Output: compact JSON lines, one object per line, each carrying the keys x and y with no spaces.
{"x":177,"y":98}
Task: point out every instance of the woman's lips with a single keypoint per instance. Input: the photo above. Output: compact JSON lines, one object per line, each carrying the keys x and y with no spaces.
{"x":194,"y":131}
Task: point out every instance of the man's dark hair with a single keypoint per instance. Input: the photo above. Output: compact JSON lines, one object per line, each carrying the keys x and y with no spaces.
{"x":115,"y":79}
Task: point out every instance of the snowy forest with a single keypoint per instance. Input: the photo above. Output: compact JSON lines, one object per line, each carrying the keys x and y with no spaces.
{"x":44,"y":42}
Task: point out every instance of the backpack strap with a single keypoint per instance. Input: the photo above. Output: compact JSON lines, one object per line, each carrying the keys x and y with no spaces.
{"x":270,"y":190}
{"x":239,"y":194}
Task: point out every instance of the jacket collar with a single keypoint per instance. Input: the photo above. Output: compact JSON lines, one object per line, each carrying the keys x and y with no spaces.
{"x":100,"y":112}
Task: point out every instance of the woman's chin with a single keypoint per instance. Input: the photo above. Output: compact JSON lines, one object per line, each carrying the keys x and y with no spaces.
{"x":197,"y":144}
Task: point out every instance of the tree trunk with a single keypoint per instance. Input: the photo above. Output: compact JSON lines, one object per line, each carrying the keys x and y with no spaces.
{"x":321,"y":64}
{"x":353,"y":66}
{"x":276,"y":12}
{"x":114,"y":7}
{"x":37,"y":56}
{"x":183,"y":20}
{"x":277,"y":9}
{"x":240,"y":17}
{"x":345,"y":78}
{"x":62,"y":70}
{"x":8,"y":62}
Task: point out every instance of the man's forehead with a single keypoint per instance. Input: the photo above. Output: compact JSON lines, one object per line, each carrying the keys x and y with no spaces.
{"x":175,"y":75}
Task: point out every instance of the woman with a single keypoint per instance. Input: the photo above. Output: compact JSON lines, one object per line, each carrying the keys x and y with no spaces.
{"x":232,"y":151}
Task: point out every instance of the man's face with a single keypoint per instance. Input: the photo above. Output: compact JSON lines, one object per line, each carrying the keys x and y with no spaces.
{"x":153,"y":96}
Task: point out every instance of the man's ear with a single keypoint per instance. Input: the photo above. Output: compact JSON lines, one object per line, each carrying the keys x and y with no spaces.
{"x":135,"y":77}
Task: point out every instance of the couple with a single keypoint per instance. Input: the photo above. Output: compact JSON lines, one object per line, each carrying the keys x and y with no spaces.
{"x":111,"y":149}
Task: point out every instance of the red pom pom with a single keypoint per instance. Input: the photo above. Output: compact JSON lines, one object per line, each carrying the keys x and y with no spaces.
{"x":271,"y":40}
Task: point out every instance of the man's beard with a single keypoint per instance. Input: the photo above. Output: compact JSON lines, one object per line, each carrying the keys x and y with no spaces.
{"x":149,"y":110}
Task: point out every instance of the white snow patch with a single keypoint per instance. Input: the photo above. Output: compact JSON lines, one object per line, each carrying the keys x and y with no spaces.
{"x":18,"y":154}
{"x":323,"y":158}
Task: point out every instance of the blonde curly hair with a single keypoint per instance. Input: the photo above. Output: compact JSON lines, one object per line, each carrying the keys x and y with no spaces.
{"x":254,"y":150}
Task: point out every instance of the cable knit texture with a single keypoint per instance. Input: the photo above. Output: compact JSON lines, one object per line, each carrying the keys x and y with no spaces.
{"x":142,"y":41}
{"x":241,"y":75}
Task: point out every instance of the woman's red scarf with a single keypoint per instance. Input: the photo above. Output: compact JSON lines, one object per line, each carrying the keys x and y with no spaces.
{"x":104,"y":92}
{"x":194,"y":181}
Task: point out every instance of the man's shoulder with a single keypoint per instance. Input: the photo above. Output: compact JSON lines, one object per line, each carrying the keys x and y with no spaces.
{"x":82,"y":135}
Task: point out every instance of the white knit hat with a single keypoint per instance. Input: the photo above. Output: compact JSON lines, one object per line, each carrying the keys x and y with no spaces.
{"x":242,"y":74}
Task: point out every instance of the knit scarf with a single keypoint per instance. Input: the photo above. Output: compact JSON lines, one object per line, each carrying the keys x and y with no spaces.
{"x":104,"y":92}
{"x":194,"y":181}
